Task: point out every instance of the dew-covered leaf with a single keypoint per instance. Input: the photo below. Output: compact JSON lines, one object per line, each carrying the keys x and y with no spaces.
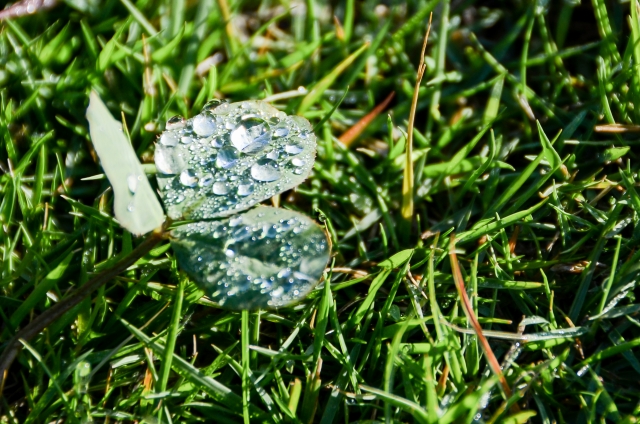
{"x":136,"y":206}
{"x":230,"y":157}
{"x":264,"y":258}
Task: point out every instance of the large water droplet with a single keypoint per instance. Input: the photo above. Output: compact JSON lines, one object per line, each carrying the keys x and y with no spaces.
{"x":186,"y":140}
{"x":188,"y":178}
{"x":132,"y":182}
{"x":175,"y":122}
{"x":251,"y":135}
{"x":212,"y":104}
{"x":284,"y":273}
{"x":168,"y":139}
{"x":298,"y":162}
{"x":203,"y":125}
{"x":269,"y":231}
{"x":281,"y":132}
{"x":245,"y":188}
{"x":227,"y":157}
{"x":265,"y":170}
{"x":293,"y":148}
{"x":216,"y":142}
{"x":220,"y":188}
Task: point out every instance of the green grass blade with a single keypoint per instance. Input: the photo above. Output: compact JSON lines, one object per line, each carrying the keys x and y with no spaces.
{"x":321,"y":86}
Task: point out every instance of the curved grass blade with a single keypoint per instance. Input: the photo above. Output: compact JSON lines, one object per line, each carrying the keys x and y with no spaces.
{"x":471,"y":316}
{"x":318,"y":90}
{"x":408,"y":177}
{"x":135,"y":204}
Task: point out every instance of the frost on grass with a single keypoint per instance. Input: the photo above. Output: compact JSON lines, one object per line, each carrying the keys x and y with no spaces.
{"x":230,"y":157}
{"x":264,"y":258}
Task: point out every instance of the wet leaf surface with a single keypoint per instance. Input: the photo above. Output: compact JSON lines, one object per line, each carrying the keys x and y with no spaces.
{"x":264,"y":258}
{"x":230,"y":157}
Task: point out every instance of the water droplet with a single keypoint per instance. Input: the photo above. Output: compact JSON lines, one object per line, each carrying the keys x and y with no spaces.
{"x":206,"y":180}
{"x":175,"y":122}
{"x":265,"y":170}
{"x":245,"y":188}
{"x":227,"y":157}
{"x":220,"y":188}
{"x":251,"y":135}
{"x":188,"y":178}
{"x":241,"y":234}
{"x":293,"y":148}
{"x":284,"y":273}
{"x":203,"y":125}
{"x":212,"y":104}
{"x":132,"y":182}
{"x":277,"y":293}
{"x":216,"y":142}
{"x":269,"y":231}
{"x":237,"y":132}
{"x":180,"y":198}
{"x":298,"y":162}
{"x":130,"y":207}
{"x":168,"y":139}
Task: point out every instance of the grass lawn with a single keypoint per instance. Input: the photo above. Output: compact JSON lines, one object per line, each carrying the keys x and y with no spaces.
{"x":505,"y":188}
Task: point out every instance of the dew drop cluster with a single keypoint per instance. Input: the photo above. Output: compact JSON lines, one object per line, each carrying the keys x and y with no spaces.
{"x":266,"y":257}
{"x":230,"y":157}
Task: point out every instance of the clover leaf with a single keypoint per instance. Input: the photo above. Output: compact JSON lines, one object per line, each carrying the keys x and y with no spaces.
{"x":265,"y":257}
{"x":211,"y":169}
{"x":231,"y":157}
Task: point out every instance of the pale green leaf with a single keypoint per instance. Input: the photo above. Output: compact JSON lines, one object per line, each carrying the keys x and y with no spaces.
{"x":136,"y":206}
